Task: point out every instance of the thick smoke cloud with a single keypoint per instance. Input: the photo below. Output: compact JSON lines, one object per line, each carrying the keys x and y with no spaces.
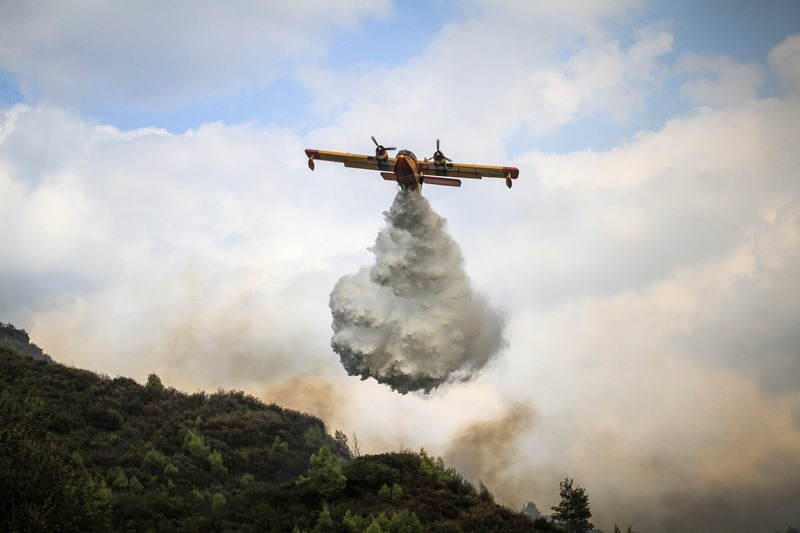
{"x":412,"y":320}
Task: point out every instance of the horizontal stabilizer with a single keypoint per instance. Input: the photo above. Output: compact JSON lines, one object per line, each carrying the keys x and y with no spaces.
{"x":389,"y":176}
{"x":438,"y":180}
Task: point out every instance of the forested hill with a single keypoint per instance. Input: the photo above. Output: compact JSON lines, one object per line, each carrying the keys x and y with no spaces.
{"x":81,"y":451}
{"x":18,"y":340}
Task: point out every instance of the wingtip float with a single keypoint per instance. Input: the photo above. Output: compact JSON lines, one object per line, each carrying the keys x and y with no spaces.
{"x":411,"y":173}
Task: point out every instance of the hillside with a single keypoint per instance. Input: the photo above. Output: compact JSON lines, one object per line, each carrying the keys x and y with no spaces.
{"x":81,"y":451}
{"x":17,"y":340}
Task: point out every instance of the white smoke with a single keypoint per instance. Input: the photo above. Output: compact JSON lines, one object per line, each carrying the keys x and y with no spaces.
{"x":412,"y":320}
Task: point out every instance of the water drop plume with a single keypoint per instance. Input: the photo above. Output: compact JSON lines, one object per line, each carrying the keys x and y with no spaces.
{"x":412,"y":319}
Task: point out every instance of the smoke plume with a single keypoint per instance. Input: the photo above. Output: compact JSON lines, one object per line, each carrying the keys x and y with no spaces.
{"x":412,"y":320}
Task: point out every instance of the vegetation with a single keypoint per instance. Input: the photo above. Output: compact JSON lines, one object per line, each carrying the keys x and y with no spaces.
{"x":572,"y":512}
{"x":85,"y":452}
{"x":18,"y":340}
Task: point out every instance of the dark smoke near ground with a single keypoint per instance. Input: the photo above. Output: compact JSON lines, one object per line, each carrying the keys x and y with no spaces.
{"x":412,"y":320}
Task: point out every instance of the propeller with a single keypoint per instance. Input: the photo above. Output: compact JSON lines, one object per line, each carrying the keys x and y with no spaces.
{"x":438,"y":156}
{"x":380,"y":150}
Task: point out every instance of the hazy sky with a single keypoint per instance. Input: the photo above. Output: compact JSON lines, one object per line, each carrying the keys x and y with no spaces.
{"x":157,"y":215}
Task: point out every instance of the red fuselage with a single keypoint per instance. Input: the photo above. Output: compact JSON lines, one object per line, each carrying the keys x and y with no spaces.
{"x":406,"y":171}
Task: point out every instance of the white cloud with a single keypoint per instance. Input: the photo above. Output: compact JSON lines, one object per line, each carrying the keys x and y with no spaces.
{"x":630,"y":216}
{"x":722,"y":80}
{"x":597,"y":78}
{"x":510,"y":66}
{"x":785,"y":60}
{"x":154,"y":54}
{"x":194,"y":237}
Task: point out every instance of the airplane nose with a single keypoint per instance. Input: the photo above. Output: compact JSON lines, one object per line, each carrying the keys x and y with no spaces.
{"x":401,"y":164}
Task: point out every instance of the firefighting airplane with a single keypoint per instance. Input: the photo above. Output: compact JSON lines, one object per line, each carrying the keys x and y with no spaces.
{"x":409,"y":172}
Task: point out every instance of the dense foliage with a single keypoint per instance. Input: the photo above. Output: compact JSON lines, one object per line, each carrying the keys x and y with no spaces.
{"x":85,"y":452}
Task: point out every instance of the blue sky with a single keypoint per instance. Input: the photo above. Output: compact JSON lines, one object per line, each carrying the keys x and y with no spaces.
{"x":157,"y":215}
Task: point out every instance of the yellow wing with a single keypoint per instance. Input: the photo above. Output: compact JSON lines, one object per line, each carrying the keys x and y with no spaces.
{"x":469,"y":171}
{"x":367,"y":162}
{"x":460,"y":170}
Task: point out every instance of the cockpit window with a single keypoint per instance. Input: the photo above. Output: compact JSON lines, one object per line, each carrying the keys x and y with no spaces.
{"x":407,"y":153}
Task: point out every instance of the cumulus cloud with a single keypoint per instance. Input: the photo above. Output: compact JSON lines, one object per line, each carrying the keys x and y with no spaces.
{"x":153,"y":54}
{"x":785,"y":60}
{"x":719,"y":81}
{"x":171,"y":249}
{"x":599,"y":77}
{"x":531,"y":68}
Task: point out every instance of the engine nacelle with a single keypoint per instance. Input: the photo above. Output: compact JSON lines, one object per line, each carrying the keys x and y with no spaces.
{"x":439,"y":159}
{"x":381,"y":152}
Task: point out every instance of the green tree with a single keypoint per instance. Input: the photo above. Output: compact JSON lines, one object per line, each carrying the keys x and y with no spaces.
{"x":325,"y":522}
{"x":154,"y":383}
{"x":436,"y":469}
{"x":397,"y":492}
{"x":350,"y":521}
{"x":324,"y":477}
{"x":405,"y":521}
{"x":279,"y":445}
{"x":121,"y":481}
{"x":155,"y":459}
{"x":196,"y":445}
{"x":374,"y":527}
{"x":218,"y":502}
{"x":573,"y":511}
{"x":135,"y":485}
{"x":215,"y":460}
{"x":343,"y":446}
{"x":170,"y":470}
